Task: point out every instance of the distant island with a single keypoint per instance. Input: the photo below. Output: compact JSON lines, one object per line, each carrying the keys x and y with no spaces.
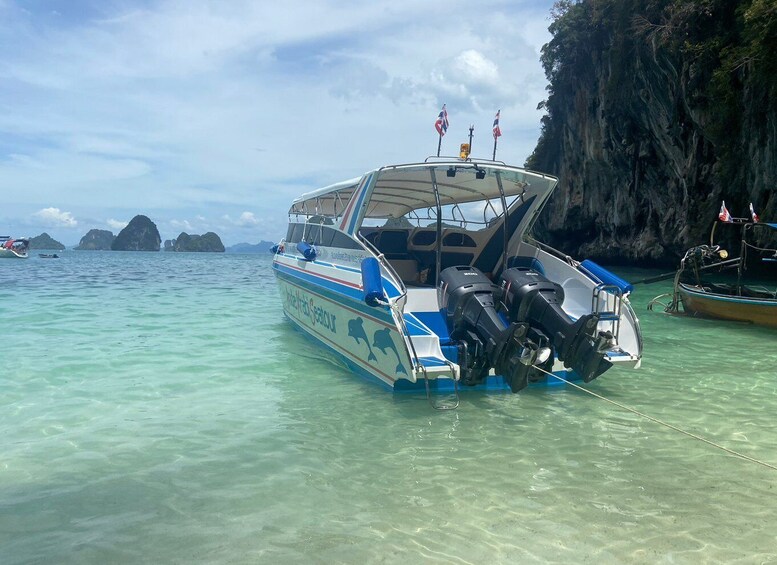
{"x":141,"y":234}
{"x":45,"y":241}
{"x":261,"y":247}
{"x":96,"y":240}
{"x":207,"y":243}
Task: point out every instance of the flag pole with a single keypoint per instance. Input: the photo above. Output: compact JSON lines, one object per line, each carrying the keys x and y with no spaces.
{"x":497,"y":132}
{"x":441,"y":125}
{"x":471,"y":127}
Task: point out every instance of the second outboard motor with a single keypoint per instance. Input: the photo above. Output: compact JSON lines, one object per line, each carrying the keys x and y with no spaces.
{"x":530,"y":297}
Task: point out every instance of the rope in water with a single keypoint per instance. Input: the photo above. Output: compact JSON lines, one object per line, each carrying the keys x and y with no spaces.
{"x":662,"y":423}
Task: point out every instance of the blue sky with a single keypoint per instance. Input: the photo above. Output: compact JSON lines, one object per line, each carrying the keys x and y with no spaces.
{"x":213,"y":116}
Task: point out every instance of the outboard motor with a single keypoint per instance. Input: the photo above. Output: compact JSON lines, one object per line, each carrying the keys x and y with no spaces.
{"x":530,"y":297}
{"x":516,"y":326}
{"x":470,"y":303}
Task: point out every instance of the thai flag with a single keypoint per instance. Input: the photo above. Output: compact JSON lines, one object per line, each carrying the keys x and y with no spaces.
{"x":724,"y":215}
{"x":497,"y":131}
{"x":753,"y":214}
{"x":442,"y":122}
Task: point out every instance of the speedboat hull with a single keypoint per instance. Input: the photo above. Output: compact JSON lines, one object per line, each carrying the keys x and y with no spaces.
{"x":12,"y":254}
{"x":11,"y":248}
{"x":325,"y":302}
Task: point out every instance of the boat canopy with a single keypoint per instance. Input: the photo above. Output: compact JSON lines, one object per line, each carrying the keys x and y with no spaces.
{"x":397,"y":190}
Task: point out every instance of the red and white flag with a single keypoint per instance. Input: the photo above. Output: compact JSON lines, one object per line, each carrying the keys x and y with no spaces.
{"x":497,"y":132}
{"x":753,"y":214}
{"x":441,"y":125}
{"x":724,"y":215}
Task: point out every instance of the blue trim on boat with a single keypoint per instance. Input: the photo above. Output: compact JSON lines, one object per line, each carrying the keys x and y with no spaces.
{"x":414,"y":326}
{"x":376,"y":313}
{"x":391,"y":289}
{"x":435,"y":322}
{"x":599,"y":274}
{"x":734,"y":299}
{"x":492,"y":384}
{"x":430,"y":362}
{"x":356,"y":212}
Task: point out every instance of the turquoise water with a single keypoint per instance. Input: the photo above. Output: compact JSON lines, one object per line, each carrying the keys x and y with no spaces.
{"x":158,"y":408}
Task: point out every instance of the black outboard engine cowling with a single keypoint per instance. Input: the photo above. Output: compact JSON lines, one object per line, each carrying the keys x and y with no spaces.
{"x":470,"y":303}
{"x":529,"y":296}
{"x":515,"y":327}
{"x":467,"y":298}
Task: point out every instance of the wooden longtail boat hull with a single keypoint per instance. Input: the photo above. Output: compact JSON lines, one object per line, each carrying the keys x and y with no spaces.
{"x":762,"y":312}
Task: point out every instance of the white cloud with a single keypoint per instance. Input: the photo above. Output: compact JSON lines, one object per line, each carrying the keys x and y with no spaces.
{"x":55,"y":218}
{"x":246,"y":219}
{"x":116,"y":224}
{"x":182,"y":225}
{"x":203,"y":108}
{"x":472,"y":66}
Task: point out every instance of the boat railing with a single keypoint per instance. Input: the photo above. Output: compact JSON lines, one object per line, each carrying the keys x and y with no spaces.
{"x":552,"y":251}
{"x":443,"y":159}
{"x":399,"y":317}
{"x":599,"y":305}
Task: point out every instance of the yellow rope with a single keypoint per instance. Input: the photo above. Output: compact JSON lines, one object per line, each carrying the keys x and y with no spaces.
{"x":662,"y":423}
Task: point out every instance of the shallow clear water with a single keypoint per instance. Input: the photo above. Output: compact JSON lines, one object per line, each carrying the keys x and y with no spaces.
{"x":158,"y":408}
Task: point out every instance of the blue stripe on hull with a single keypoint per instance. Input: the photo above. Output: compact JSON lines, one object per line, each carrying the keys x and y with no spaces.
{"x":355,"y":304}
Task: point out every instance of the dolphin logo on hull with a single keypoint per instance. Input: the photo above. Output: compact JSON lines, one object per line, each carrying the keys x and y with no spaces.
{"x":356,"y":331}
{"x":382,"y":340}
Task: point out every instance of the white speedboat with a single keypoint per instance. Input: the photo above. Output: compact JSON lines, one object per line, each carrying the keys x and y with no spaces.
{"x":427,"y":275}
{"x":11,"y":248}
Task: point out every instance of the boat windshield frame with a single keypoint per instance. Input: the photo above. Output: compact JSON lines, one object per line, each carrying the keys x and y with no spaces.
{"x":407,"y":190}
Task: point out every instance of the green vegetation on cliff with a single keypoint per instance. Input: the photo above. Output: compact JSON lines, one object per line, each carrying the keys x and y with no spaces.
{"x":45,"y":241}
{"x":141,"y":234}
{"x":208,"y":242}
{"x":656,"y":112}
{"x":96,"y":240}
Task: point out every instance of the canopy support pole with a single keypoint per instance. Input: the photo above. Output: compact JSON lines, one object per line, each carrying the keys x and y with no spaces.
{"x":438,"y":265}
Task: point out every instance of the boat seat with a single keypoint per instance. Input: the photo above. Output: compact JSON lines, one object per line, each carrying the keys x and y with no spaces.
{"x":407,"y":269}
{"x":393,"y":243}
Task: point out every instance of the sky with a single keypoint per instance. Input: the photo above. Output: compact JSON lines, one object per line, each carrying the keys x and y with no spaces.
{"x":215,"y":115}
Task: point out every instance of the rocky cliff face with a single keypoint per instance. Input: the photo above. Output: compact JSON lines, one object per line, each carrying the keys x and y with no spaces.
{"x":207,"y":242}
{"x":652,"y":122}
{"x":141,"y":234}
{"x":45,"y":241}
{"x":96,"y":240}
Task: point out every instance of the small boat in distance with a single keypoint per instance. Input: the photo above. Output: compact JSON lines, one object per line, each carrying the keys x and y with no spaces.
{"x":427,"y":276}
{"x":48,"y":255}
{"x":706,"y":285}
{"x":11,"y":248}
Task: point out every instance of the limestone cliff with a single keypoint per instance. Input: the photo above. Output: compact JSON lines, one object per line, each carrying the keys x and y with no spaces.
{"x":656,"y":112}
{"x":208,"y":243}
{"x":45,"y":241}
{"x":141,"y":234}
{"x":96,"y":240}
